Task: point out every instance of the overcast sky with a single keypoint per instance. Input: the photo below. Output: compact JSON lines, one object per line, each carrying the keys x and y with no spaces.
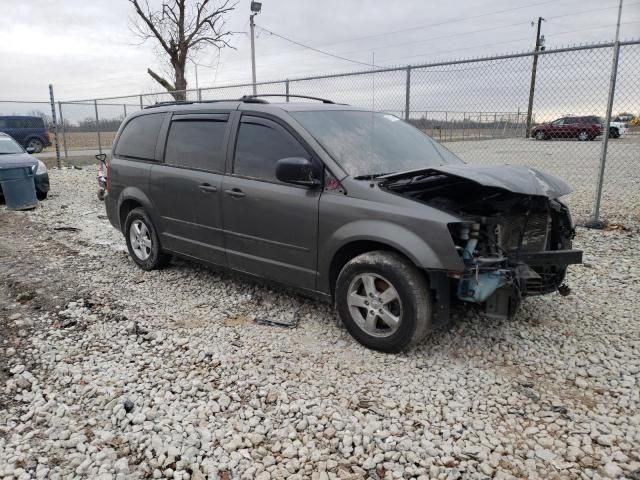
{"x":86,"y":48}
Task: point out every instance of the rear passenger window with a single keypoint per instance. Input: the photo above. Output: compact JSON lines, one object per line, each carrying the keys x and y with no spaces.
{"x":260,"y":146}
{"x":196,"y":144}
{"x":139,"y":137}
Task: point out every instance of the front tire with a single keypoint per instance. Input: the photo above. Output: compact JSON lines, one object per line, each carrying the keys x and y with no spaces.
{"x":614,"y":133}
{"x":42,"y":195}
{"x":142,"y":241}
{"x":540,"y":136}
{"x":384,"y":301}
{"x":583,"y":136}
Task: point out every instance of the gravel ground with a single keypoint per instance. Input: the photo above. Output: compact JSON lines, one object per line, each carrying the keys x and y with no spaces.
{"x":110,"y":372}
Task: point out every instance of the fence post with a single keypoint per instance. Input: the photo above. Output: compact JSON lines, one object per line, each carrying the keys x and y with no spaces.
{"x":125,"y":109}
{"x":407,"y":98}
{"x":286,"y":88}
{"x":595,"y":221}
{"x":199,"y":94}
{"x":95,"y":106}
{"x":141,"y":106}
{"x":64,"y":134}
{"x":55,"y":125}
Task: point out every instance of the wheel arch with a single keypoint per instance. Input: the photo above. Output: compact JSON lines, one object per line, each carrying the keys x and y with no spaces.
{"x":33,"y":136}
{"x":358,"y":238}
{"x":131,"y":198}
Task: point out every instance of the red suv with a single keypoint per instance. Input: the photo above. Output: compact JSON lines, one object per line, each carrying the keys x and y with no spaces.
{"x":582,"y":128}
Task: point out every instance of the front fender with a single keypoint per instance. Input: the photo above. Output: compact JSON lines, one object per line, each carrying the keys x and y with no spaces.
{"x":400,"y":238}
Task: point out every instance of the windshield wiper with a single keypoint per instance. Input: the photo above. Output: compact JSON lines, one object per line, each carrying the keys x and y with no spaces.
{"x":371,"y":176}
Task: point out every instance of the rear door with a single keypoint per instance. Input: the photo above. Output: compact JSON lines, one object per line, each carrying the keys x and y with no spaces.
{"x":571,"y":127}
{"x":187,"y":186}
{"x":270,"y":227}
{"x":13,"y":128}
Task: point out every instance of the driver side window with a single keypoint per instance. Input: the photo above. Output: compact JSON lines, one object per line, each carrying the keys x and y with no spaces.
{"x":260,"y":144}
{"x":560,"y":121}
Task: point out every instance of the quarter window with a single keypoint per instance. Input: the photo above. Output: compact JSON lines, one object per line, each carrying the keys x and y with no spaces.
{"x":139,"y":137}
{"x":260,"y":145}
{"x":197,"y":144}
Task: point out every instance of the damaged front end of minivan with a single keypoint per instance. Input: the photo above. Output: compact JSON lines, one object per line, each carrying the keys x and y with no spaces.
{"x":514,"y":235}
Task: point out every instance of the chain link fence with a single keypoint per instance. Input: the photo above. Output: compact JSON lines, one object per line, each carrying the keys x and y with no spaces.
{"x":476,"y":107}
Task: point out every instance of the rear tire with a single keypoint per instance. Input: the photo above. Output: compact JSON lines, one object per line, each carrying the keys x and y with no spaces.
{"x":36,"y":144}
{"x":583,"y":136}
{"x":614,"y":133}
{"x":540,"y":136}
{"x":42,"y":195}
{"x":142,"y":241}
{"x":384,"y":301}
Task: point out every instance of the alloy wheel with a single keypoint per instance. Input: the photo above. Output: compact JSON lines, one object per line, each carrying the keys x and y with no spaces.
{"x":374,"y":304}
{"x":140,"y":238}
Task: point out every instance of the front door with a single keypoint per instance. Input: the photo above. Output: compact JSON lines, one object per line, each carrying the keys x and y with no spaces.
{"x":187,"y":187}
{"x":270,"y":227}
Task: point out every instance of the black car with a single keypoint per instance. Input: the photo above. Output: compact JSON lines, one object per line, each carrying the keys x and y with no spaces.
{"x":352,"y":206}
{"x":12,"y":153}
{"x":28,"y":131}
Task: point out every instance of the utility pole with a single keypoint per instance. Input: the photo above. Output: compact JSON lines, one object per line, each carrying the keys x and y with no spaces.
{"x":255,"y":8}
{"x":539,"y":46}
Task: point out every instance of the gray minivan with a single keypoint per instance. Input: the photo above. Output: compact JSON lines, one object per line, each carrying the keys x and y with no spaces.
{"x":355,"y":207}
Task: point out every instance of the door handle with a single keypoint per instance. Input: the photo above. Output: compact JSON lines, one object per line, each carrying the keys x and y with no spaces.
{"x":235,"y":192}
{"x":205,"y":187}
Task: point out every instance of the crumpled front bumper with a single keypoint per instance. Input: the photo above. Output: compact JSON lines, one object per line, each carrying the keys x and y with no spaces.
{"x":501,"y":287}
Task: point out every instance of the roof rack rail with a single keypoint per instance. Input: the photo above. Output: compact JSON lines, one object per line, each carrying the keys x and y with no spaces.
{"x":256,"y":98}
{"x":244,"y":99}
{"x":189,"y":102}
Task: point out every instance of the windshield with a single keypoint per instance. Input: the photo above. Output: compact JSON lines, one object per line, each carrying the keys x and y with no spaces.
{"x":368,"y":144}
{"x":8,"y":145}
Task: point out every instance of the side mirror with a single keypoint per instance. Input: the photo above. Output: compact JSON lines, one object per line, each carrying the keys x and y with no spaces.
{"x":31,"y":150}
{"x":101,"y":157}
{"x":296,"y":170}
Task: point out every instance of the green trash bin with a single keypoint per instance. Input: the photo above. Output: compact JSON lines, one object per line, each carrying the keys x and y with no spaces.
{"x":18,"y":187}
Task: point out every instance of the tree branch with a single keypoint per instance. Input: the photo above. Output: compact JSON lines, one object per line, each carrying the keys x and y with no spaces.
{"x":147,"y":20}
{"x":161,"y":81}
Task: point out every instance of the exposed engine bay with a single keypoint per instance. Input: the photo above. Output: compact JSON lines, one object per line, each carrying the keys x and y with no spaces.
{"x":513,"y":243}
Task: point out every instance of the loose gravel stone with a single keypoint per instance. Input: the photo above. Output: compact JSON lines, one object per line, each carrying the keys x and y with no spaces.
{"x":120,"y":373}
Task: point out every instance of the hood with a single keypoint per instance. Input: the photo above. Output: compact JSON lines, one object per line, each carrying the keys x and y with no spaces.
{"x":513,"y":178}
{"x":13,"y":160}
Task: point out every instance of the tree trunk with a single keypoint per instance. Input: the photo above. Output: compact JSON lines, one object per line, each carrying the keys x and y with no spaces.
{"x":180,"y":84}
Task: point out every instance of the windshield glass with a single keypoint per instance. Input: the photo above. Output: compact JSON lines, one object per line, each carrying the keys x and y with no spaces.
{"x":369,"y":144}
{"x":9,"y":145}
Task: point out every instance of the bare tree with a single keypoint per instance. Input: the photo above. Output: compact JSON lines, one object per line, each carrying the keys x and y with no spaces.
{"x":182,"y":28}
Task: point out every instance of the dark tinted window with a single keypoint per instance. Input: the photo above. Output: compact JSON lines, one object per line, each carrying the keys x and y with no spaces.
{"x":570,"y":121}
{"x":139,"y":137}
{"x":3,"y":123}
{"x":196,"y":144}
{"x":260,"y":146}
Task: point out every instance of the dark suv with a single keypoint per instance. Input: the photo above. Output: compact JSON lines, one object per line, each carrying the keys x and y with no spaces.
{"x":355,"y":207}
{"x":582,"y":128}
{"x":29,"y":132}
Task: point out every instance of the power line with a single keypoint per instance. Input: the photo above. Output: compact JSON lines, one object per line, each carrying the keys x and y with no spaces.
{"x":315,"y":49}
{"x":506,"y":42}
{"x":338,"y":56}
{"x":446,"y":22}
